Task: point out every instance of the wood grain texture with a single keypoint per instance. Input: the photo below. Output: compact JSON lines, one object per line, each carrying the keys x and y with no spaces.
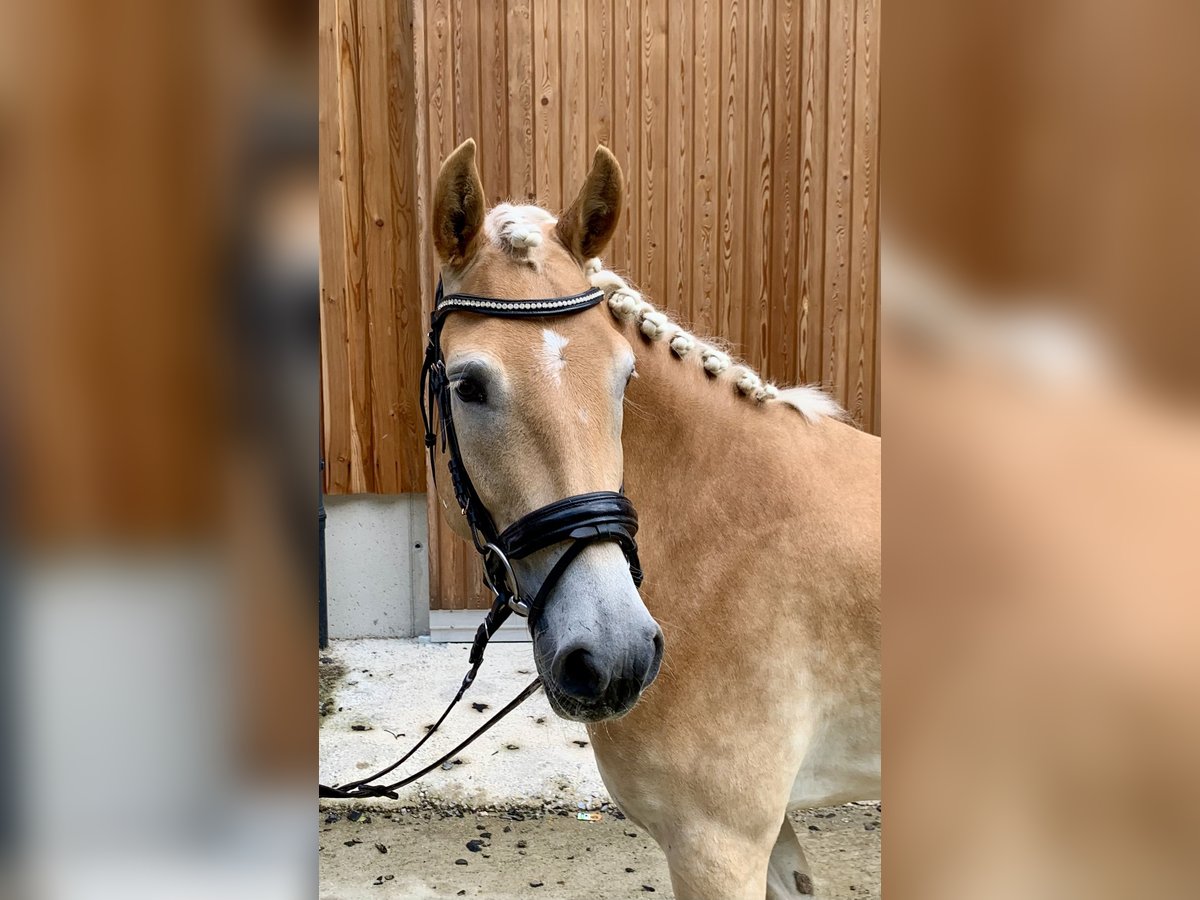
{"x":547,"y":111}
{"x":812,"y":230}
{"x":335,"y":363}
{"x":704,"y":260}
{"x":838,"y":198}
{"x":732,"y":122}
{"x":652,"y":196}
{"x":749,"y":136}
{"x":370,"y":296}
{"x":863,"y":290}
{"x":781,"y":351}
{"x":626,"y":123}
{"x":759,"y":190}
{"x":378,"y":257}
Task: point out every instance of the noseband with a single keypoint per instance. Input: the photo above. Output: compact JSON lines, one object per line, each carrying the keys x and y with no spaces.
{"x":581,"y":520}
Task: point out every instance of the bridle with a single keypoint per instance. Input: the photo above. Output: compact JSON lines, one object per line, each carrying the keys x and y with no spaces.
{"x":581,"y":520}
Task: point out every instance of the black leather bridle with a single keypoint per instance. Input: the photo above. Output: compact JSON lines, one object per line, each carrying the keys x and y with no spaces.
{"x":581,"y":520}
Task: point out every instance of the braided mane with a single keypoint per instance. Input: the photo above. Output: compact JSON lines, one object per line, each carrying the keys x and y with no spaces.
{"x":628,"y":305}
{"x":517,"y":229}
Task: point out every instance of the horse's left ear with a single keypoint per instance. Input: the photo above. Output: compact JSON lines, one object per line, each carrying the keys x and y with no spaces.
{"x":585,"y":228}
{"x":458,"y":206}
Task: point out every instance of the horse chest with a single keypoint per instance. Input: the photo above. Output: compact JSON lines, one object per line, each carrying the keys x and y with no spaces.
{"x":842,"y":762}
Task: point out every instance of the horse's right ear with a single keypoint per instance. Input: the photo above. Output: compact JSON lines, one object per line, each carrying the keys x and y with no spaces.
{"x":458,"y":207}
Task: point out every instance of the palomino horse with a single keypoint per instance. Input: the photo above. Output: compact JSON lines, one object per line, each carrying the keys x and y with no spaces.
{"x":759,"y":512}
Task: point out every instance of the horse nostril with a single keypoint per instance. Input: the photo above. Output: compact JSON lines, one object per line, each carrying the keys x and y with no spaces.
{"x":578,"y":675}
{"x":655,"y":660}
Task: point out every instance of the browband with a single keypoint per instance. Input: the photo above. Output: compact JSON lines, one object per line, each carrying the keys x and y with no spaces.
{"x":444,"y":304}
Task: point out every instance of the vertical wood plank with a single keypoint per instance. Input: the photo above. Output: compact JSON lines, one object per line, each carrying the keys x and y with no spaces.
{"x":598,"y":104}
{"x":383,"y":339}
{"x":440,"y":131}
{"x":521,"y":181}
{"x":465,"y":40}
{"x":840,"y":136}
{"x":705,"y":142}
{"x":548,"y":100}
{"x":439,"y":81}
{"x":758,"y":187}
{"x":780,"y":363}
{"x":406,"y":279}
{"x":362,"y":468}
{"x":627,"y":43}
{"x":865,"y":214}
{"x":731,"y":274}
{"x":493,"y":82}
{"x":653,"y":175}
{"x":424,"y":181}
{"x":811,"y":235}
{"x":335,"y":363}
{"x":680,"y":183}
{"x":576,"y":156}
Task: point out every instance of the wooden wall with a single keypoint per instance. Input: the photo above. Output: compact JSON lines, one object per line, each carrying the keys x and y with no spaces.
{"x":749,"y":135}
{"x":371,"y":325}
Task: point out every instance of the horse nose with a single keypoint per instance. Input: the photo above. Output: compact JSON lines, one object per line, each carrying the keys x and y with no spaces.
{"x":614,"y":676}
{"x":580,"y":675}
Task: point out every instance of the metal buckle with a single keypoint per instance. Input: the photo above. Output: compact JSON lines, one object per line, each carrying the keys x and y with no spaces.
{"x":515,"y":602}
{"x":519,"y":606}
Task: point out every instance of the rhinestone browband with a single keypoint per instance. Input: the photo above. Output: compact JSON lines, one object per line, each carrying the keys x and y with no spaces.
{"x":467,"y":302}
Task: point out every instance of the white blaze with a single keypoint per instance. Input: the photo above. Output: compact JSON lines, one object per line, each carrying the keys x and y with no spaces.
{"x":553,"y":358}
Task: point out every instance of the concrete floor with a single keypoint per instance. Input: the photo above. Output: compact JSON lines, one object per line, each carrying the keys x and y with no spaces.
{"x":396,"y":687}
{"x":427,"y":854}
{"x":531,"y":774}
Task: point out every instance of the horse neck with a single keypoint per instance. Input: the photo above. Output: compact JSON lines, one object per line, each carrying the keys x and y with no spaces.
{"x":701,"y":460}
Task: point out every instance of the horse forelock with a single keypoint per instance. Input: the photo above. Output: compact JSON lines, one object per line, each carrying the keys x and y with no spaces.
{"x":517,"y":229}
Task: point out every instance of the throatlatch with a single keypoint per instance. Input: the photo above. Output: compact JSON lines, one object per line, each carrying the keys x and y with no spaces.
{"x":581,"y":520}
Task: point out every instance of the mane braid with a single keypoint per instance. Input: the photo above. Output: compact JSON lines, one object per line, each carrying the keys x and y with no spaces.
{"x":628,"y":305}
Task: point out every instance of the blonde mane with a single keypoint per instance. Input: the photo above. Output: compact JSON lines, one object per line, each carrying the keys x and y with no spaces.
{"x":628,"y":305}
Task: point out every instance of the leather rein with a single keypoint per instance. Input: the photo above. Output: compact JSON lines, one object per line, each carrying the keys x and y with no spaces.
{"x":581,"y":520}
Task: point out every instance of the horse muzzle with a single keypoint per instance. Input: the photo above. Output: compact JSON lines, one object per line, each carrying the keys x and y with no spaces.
{"x":591,"y":680}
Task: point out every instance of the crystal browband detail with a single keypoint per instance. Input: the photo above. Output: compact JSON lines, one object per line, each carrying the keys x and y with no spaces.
{"x":518,"y":305}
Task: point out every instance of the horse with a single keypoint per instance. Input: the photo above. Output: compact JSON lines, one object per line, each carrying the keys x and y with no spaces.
{"x":743,"y":680}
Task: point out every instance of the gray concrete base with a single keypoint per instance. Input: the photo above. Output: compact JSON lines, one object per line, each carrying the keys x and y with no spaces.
{"x":377,"y":565}
{"x":457,"y":625}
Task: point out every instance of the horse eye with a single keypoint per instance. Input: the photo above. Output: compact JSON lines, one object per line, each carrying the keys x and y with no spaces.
{"x":469,"y":390}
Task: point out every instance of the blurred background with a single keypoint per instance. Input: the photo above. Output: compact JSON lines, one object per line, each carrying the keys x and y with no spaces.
{"x":1040,"y":221}
{"x":158,"y":413}
{"x":158,"y":405}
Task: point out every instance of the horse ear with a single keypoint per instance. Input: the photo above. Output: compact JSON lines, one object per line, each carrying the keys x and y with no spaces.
{"x":458,"y":206}
{"x":587,"y":226}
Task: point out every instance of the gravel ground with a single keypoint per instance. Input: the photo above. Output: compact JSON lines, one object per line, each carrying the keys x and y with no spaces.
{"x":514,"y":854}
